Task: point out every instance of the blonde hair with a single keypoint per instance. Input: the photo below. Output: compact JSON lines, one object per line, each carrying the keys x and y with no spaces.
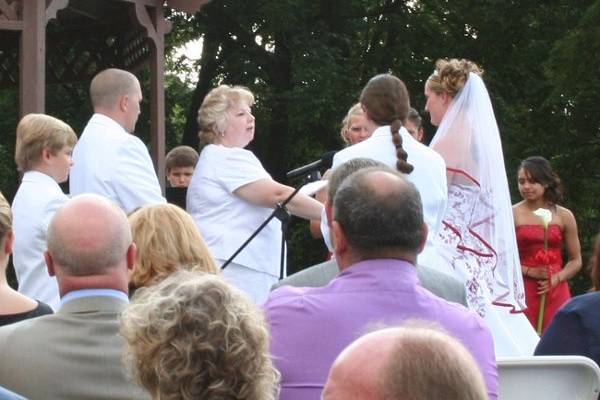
{"x":35,"y":132}
{"x":5,"y":218}
{"x":167,"y":239}
{"x":353,"y":111}
{"x":450,"y":75}
{"x":193,"y":336}
{"x":212,"y":115}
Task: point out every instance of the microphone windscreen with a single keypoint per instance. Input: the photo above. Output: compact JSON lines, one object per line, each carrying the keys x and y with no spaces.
{"x":327,"y":159}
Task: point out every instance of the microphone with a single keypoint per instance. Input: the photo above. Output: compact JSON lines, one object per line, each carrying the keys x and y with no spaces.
{"x":325,"y":162}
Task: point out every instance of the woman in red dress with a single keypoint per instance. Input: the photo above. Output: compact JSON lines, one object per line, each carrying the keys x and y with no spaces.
{"x":543,"y":272}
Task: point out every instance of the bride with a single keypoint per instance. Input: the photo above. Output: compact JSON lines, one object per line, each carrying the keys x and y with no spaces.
{"x":477,"y":239}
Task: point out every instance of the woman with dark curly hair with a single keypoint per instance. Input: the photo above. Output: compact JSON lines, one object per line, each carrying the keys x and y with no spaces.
{"x":540,"y":187}
{"x":194,"y":336}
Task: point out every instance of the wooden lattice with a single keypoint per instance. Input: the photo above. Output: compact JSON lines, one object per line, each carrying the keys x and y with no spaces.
{"x":9,"y":59}
{"x":9,"y":10}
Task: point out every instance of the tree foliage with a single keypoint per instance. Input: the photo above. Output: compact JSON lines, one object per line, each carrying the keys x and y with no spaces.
{"x":307,"y":61}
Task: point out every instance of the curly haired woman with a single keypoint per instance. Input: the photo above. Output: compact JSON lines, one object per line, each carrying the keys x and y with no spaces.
{"x":194,"y":336}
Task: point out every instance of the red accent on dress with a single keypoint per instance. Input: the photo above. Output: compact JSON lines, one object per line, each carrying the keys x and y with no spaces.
{"x":530,"y":239}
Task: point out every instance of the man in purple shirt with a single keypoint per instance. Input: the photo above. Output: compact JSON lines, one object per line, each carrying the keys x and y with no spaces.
{"x":377,"y":232}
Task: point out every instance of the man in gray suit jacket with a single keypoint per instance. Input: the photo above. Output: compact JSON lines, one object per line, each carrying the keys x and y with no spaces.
{"x":76,"y":353}
{"x":440,"y":284}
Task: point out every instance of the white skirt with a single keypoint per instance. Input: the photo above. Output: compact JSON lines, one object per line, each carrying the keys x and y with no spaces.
{"x":255,"y":284}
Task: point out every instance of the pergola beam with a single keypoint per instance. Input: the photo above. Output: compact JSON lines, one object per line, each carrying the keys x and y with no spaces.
{"x":33,"y":57}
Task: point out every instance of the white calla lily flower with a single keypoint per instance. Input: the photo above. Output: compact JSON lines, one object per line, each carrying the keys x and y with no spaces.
{"x":545,"y":215}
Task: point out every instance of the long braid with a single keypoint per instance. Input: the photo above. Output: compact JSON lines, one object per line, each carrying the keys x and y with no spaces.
{"x":402,"y":164}
{"x":386,"y":102}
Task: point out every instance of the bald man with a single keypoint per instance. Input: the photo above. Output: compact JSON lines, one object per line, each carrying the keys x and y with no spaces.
{"x":410,"y":362}
{"x":377,"y":230}
{"x":76,"y":353}
{"x":109,"y":159}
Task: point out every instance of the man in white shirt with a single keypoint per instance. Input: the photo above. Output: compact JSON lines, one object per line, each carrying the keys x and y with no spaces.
{"x":108,"y":159}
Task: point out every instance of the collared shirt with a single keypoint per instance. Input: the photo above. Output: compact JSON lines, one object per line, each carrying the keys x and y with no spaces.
{"x":77,"y":294}
{"x":311,"y":326}
{"x":113,"y":163}
{"x":34,"y":205}
{"x":429,"y":176}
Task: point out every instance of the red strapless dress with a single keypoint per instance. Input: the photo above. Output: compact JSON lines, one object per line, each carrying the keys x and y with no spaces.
{"x":530,"y":239}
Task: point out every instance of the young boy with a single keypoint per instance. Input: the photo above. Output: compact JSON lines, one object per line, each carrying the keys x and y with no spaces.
{"x":180,"y":163}
{"x":43,"y":154}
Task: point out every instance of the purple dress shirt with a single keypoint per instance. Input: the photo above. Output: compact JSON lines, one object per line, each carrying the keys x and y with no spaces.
{"x":311,"y":326}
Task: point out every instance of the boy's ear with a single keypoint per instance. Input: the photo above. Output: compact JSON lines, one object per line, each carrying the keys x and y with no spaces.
{"x":46,"y":154}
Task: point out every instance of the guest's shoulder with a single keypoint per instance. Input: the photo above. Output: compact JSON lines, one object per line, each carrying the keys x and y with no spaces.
{"x":287,"y":297}
{"x":585,"y":303}
{"x":457,"y":314}
{"x":23,"y":330}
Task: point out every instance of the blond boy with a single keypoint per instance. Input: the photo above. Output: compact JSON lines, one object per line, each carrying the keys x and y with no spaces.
{"x":43,"y":154}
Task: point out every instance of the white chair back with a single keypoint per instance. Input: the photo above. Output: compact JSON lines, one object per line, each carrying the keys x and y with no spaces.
{"x":548,"y":378}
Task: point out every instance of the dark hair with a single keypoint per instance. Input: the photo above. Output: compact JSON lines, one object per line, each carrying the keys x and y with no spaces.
{"x":386,"y":102}
{"x":181,"y":156}
{"x":540,"y":171}
{"x":415,"y":117}
{"x":376,"y":219}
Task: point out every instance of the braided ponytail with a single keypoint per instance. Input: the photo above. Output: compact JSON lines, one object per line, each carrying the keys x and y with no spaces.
{"x":385,"y":98}
{"x":401,"y":155}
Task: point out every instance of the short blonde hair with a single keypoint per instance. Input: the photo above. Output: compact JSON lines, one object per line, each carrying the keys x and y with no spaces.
{"x":353,"y":111}
{"x":167,"y":239}
{"x":5,"y":218}
{"x":36,"y":132}
{"x":212,"y":115}
{"x":110,"y":84}
{"x":193,"y":336}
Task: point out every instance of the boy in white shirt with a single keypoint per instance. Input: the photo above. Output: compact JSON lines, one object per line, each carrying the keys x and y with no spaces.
{"x":43,"y":153}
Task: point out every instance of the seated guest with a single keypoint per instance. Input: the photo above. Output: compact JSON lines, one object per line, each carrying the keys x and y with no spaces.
{"x":575,"y":329}
{"x":179,"y":165}
{"x":167,"y":239}
{"x":440,"y":284}
{"x":414,"y":361}
{"x":14,"y":306}
{"x":43,"y":154}
{"x":8,"y":395}
{"x":377,"y":232}
{"x":194,"y":336}
{"x":76,"y":353}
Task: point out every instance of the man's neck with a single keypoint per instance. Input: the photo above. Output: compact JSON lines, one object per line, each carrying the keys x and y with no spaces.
{"x":112,"y":115}
{"x":345,"y":261}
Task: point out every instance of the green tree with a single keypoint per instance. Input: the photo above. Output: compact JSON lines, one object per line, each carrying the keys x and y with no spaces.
{"x":306,"y":62}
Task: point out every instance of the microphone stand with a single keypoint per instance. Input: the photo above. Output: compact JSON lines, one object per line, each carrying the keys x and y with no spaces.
{"x":282,"y":214}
